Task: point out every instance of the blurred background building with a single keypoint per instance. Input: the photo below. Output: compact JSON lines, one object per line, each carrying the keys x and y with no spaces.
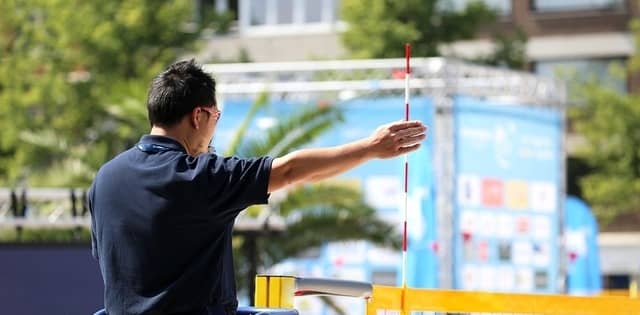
{"x":589,"y":35}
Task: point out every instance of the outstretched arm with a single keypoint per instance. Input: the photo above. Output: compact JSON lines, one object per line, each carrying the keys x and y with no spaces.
{"x":310,"y":165}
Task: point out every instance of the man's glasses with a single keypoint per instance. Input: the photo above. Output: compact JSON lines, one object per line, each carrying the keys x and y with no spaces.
{"x":211,"y":112}
{"x":217,"y":113}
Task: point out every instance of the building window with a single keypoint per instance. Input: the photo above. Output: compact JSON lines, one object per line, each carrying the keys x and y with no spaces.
{"x":227,"y":6}
{"x":502,"y":7}
{"x":268,"y":17}
{"x":312,"y":11}
{"x":334,"y":7}
{"x":258,"y":12}
{"x":284,"y":9}
{"x":607,"y":72}
{"x":577,"y":5}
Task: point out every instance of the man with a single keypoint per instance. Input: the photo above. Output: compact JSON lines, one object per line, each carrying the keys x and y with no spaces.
{"x":163,"y":211}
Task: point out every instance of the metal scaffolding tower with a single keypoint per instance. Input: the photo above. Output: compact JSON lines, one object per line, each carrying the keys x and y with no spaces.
{"x":439,"y":78}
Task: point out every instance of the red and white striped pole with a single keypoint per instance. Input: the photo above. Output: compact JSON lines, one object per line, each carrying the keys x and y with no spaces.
{"x":407,"y":72}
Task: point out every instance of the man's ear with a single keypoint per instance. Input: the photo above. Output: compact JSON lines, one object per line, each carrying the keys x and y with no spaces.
{"x":193,"y":118}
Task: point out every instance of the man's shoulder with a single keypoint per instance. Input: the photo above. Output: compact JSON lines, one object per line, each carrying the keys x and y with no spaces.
{"x":230,"y":162}
{"x":117,"y":162}
{"x":107,"y":173}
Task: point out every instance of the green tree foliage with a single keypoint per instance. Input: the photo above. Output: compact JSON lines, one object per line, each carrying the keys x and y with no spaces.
{"x":510,"y":52}
{"x":610,"y":124}
{"x":73,"y":80}
{"x":379,"y":29}
{"x":609,"y":120}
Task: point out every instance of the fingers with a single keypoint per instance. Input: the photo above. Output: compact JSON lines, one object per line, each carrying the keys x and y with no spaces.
{"x":410,"y":135}
{"x":400,"y":125}
{"x":408,"y":149}
{"x":411,"y":132}
{"x":411,"y":140}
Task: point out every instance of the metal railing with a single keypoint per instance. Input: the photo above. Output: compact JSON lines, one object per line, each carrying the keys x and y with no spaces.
{"x":62,"y":208}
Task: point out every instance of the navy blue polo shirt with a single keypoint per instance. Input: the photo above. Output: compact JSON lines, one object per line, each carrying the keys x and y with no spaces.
{"x":161,"y":226}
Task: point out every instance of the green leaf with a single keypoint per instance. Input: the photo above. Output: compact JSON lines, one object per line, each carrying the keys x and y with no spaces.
{"x":294,"y":131}
{"x":261,"y":101}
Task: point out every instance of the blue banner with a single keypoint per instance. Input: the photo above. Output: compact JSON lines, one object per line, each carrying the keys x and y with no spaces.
{"x":507,"y":197}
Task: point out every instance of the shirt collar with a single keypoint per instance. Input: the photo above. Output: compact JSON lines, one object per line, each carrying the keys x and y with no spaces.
{"x":162,"y":141}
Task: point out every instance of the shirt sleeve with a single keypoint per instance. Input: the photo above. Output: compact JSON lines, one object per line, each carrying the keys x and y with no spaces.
{"x":94,"y":247}
{"x":238,"y":183}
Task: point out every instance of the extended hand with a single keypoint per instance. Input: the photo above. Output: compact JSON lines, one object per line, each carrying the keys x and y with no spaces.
{"x":397,"y":138}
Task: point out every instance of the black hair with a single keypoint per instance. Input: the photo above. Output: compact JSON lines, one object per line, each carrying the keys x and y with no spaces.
{"x":175,"y":92}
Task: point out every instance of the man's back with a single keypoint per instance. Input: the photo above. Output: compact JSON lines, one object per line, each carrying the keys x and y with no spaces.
{"x":162,"y":226}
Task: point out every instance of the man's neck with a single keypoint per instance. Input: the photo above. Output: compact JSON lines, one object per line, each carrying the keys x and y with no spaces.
{"x":173,"y":133}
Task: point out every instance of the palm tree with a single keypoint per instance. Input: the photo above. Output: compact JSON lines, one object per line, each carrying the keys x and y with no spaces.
{"x":315,"y":214}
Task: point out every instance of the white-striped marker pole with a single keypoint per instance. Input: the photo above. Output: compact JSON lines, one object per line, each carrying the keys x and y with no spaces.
{"x":407,"y":73}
